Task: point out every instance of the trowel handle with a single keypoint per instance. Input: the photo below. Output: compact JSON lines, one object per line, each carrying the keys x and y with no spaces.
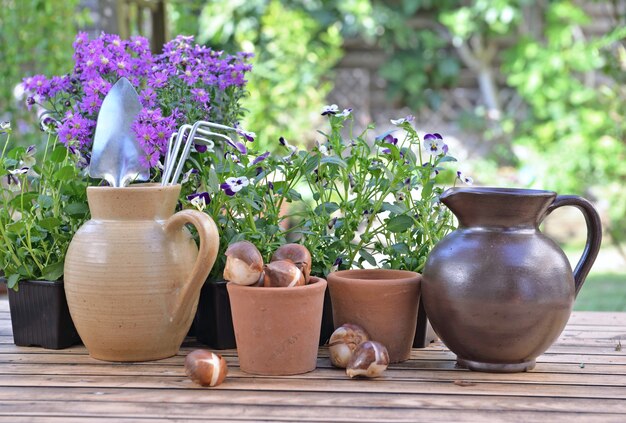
{"x":594,"y":234}
{"x":207,"y":251}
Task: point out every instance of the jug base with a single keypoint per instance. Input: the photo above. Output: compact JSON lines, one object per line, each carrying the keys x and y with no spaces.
{"x":478,"y":366}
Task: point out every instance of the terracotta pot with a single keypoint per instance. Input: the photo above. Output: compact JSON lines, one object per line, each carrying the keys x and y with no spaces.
{"x":133,"y":272}
{"x":40,"y":317}
{"x":497,"y":291}
{"x":382,"y":301}
{"x":277,"y":329}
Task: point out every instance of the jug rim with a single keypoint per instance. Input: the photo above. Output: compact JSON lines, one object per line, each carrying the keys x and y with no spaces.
{"x":499,"y":191}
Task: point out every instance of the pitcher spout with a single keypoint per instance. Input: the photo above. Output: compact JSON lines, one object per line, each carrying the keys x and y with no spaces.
{"x":498,"y":207}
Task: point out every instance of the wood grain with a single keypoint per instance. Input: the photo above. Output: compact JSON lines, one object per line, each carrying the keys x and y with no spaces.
{"x":581,"y":378}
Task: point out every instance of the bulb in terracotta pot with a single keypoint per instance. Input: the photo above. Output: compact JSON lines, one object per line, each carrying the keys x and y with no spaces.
{"x":298,"y":254}
{"x":370,"y":359}
{"x":205,"y":367}
{"x":282,"y":273}
{"x":344,"y":341}
{"x":244,"y":264}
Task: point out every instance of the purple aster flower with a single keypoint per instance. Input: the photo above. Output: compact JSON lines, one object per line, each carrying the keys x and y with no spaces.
{"x":333,"y":109}
{"x":233,"y":185}
{"x":200,"y":95}
{"x":260,"y":158}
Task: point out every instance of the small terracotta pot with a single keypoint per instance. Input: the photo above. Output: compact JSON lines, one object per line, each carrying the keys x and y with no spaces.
{"x":382,"y":301}
{"x":277,"y":329}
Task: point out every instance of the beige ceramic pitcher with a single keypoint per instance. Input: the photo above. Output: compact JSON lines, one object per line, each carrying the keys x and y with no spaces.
{"x":133,"y":273}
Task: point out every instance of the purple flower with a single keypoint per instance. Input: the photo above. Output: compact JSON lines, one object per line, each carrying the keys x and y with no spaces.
{"x":398,"y":122}
{"x":200,"y":148}
{"x":260,"y":158}
{"x":5,"y":127}
{"x":433,"y":144}
{"x":200,"y":95}
{"x":333,"y":109}
{"x":233,"y":185}
{"x":467,"y":180}
{"x":248,"y":136}
{"x":345,"y":113}
{"x":199,"y":200}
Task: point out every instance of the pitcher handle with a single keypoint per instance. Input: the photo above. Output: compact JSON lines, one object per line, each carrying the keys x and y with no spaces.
{"x":207,"y":251}
{"x":594,"y":234}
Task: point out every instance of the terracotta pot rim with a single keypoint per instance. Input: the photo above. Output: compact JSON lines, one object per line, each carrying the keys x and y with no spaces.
{"x":142,"y":186}
{"x":502,"y":191}
{"x":315,"y":284}
{"x":378,"y":276}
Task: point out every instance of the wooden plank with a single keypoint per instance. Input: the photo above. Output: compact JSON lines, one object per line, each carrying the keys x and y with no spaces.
{"x":405,"y":374}
{"x":338,"y":386}
{"x":215,"y":396}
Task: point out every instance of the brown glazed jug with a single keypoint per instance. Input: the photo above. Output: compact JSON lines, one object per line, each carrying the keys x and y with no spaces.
{"x":496,"y":290}
{"x":133,"y":273}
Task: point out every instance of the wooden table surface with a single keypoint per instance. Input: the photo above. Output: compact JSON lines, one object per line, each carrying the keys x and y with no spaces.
{"x":581,"y":378}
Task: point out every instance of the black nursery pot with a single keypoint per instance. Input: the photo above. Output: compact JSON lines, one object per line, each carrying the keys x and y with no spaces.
{"x":40,"y":316}
{"x":213,"y":324}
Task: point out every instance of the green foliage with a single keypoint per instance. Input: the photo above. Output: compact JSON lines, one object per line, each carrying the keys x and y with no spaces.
{"x":294,"y":53}
{"x":34,"y":35}
{"x":42,"y":205}
{"x":374,"y":203}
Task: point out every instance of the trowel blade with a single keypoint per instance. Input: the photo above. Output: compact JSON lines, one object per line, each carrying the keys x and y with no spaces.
{"x":116,"y":150}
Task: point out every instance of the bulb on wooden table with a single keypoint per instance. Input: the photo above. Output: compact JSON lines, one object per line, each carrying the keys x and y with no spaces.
{"x":344,"y":341}
{"x":244,"y":264}
{"x":282,"y":273}
{"x":298,"y":254}
{"x":370,"y":359}
{"x":205,"y":367}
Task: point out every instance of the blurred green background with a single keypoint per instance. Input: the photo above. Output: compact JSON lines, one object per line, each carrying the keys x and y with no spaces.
{"x":529,"y":93}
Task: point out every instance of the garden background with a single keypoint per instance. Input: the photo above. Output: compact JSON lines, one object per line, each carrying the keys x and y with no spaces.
{"x":528,"y":93}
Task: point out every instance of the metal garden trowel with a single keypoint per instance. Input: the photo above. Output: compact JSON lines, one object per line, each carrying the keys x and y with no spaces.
{"x":115,"y":152}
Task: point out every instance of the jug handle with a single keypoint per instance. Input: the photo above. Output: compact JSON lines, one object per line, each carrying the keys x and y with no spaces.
{"x":207,"y":251}
{"x":594,"y":234}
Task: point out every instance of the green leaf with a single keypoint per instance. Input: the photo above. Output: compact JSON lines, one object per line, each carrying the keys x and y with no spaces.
{"x":335,"y":161}
{"x":49,"y":223}
{"x":65,"y":173}
{"x":27,"y":199}
{"x":327,"y":208}
{"x":58,"y":154}
{"x":399,"y":223}
{"x":45,"y":201}
{"x":12,"y":280}
{"x":427,"y":190}
{"x":76,"y":209}
{"x":446,"y":159}
{"x":401,"y":248}
{"x":53,"y":271}
{"x":368,"y":257}
{"x":394,"y":208}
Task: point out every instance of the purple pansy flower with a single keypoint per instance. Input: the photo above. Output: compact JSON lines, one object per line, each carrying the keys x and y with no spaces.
{"x":199,"y":200}
{"x":398,"y":122}
{"x":333,"y":109}
{"x":433,"y":144}
{"x":467,"y":180}
{"x":260,"y":158}
{"x":233,"y":185}
{"x":246,"y":135}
